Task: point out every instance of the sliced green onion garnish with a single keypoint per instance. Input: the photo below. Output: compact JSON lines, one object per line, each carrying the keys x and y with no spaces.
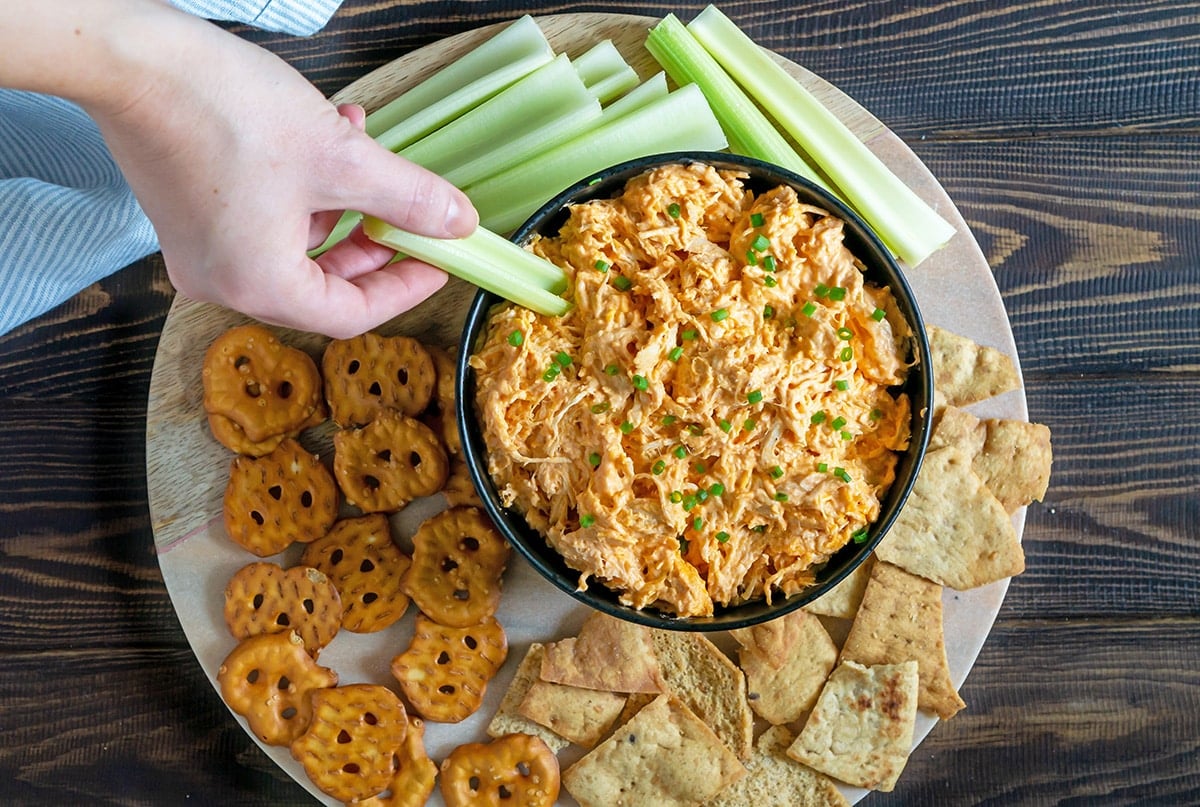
{"x":842,"y":384}
{"x":770,"y":282}
{"x":776,"y":472}
{"x":876,"y":414}
{"x":751,"y":257}
{"x":716,"y":489}
{"x":837,"y":293}
{"x":698,"y":467}
{"x":601,"y":408}
{"x":623,"y":283}
{"x":594,"y":459}
{"x":768,"y":263}
{"x":689,"y":502}
{"x":757,"y":220}
{"x":626,"y":427}
{"x":658,"y":468}
{"x":781,"y":496}
{"x":640,"y":382}
{"x":837,"y":423}
{"x":819,"y":417}
{"x":676,"y":497}
{"x":719,"y":314}
{"x":845,"y":334}
{"x":689,"y":334}
{"x":697,"y":523}
{"x":562,"y":359}
{"x":760,"y":243}
{"x":667,"y":420}
{"x":722,"y":537}
{"x":702,"y":495}
{"x":847,"y":435}
{"x":516,"y":338}
{"x":680,"y":452}
{"x":673,"y":210}
{"x":676,"y":354}
{"x":602,"y":265}
{"x":755,"y":397}
{"x":768,"y":311}
{"x":749,"y":424}
{"x":878,"y":314}
{"x":821,"y":290}
{"x":551,"y":373}
{"x":860,"y":536}
{"x":587,"y":520}
{"x":725,"y":425}
{"x":847,"y":354}
{"x":822,"y":467}
{"x":612,"y":369}
{"x":696,"y":429}
{"x":841,"y":474}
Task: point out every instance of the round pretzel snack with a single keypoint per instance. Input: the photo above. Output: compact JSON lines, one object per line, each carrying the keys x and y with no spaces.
{"x":439,"y":415}
{"x":388,"y":463}
{"x":233,"y":436}
{"x":349,"y":749}
{"x":267,"y":679}
{"x":368,"y":373}
{"x":367,"y":567}
{"x":261,"y":384}
{"x":516,"y":770}
{"x":274,"y":500}
{"x":262,"y":597}
{"x":444,"y":673}
{"x":415,"y":773}
{"x":458,"y":560}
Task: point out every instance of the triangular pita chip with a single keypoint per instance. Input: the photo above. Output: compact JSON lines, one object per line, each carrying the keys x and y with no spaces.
{"x":665,"y":756}
{"x":1012,"y":457}
{"x":580,"y":715}
{"x":786,"y":662}
{"x":842,"y":600}
{"x":952,"y":530}
{"x":900,"y":619}
{"x":965,"y":372}
{"x":507,"y":719}
{"x":776,"y":780}
{"x":861,"y":730}
{"x":609,"y":654}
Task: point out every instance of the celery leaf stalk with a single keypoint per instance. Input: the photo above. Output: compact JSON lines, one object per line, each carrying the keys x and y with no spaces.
{"x":681,"y":121}
{"x":484,"y":259}
{"x":650,"y":90}
{"x":605,"y":72}
{"x":910,"y":227}
{"x":516,"y":42}
{"x":748,"y":130}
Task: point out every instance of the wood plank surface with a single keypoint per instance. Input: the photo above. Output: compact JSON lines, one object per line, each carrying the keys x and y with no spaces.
{"x":1066,"y":131}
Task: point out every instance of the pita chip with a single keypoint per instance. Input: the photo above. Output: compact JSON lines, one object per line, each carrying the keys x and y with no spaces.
{"x":861,"y":730}
{"x":1012,"y":457}
{"x":665,"y":756}
{"x":508,"y":719}
{"x":786,"y":662}
{"x":609,"y":654}
{"x":582,"y":716}
{"x":965,"y":372}
{"x":952,"y":529}
{"x":900,"y":619}
{"x":776,"y":780}
{"x":842,"y":600}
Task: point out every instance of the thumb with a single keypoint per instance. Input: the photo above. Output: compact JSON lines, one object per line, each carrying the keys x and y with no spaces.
{"x":389,"y":187}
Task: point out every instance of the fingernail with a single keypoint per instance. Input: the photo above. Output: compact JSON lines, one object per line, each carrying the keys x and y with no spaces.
{"x":461,"y":218}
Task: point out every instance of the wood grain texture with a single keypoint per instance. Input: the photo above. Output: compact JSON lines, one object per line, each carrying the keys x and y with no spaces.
{"x":1066,"y":131}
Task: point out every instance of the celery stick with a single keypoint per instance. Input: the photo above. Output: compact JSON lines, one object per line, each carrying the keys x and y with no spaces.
{"x":650,"y":90}
{"x":682,"y":121}
{"x":749,"y":131}
{"x":542,"y":96}
{"x":516,"y":42}
{"x":605,"y":72}
{"x":486,"y":260}
{"x":910,"y":228}
{"x":340,"y":232}
{"x":452,"y":106}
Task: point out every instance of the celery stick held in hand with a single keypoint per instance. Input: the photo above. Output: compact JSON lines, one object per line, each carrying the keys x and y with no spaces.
{"x":240,"y":164}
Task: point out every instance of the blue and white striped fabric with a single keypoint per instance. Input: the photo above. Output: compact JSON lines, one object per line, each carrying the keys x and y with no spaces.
{"x":67,"y":217}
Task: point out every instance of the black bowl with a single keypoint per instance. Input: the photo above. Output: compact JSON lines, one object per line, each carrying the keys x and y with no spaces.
{"x":880,"y":269}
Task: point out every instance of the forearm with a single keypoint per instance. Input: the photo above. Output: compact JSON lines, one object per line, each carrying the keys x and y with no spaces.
{"x":98,"y":53}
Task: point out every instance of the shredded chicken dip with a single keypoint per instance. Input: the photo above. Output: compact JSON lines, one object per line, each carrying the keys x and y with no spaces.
{"x":714,"y":417}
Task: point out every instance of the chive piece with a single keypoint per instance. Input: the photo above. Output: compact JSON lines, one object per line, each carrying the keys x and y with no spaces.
{"x":722,"y":537}
{"x":725,"y":425}
{"x":594,"y":459}
{"x":768,"y":263}
{"x":819,"y":417}
{"x":719,"y":314}
{"x":845,"y":334}
{"x":751,"y":257}
{"x":776,"y":472}
{"x":702,"y":495}
{"x":516,"y":338}
{"x":680,"y":452}
{"x":689,"y":334}
{"x":673,"y":210}
{"x":749,"y":424}
{"x":760,"y":243}
{"x":626,"y":427}
{"x":755,"y":397}
{"x":822,"y":467}
{"x":716,"y":489}
{"x":551,"y":373}
{"x":699,"y":467}
{"x":780,"y":496}
{"x":837,"y":294}
{"x":837,"y":423}
{"x":689,"y":503}
{"x":809,"y":309}
{"x":602,"y":265}
{"x":683,"y":546}
{"x":859,"y":536}
{"x":768,"y":311}
{"x":562,"y":359}
{"x":697,"y":523}
{"x":696,"y":430}
{"x":622,"y":283}
{"x":667,"y":420}
{"x":640,"y":382}
{"x":587,"y":520}
{"x":846,"y":435}
{"x":601,"y":408}
{"x":757,"y":220}
{"x":878,"y":314}
{"x":676,"y":497}
{"x":770,"y":282}
{"x":841,"y":474}
{"x":821,"y":290}
{"x":612,"y":369}
{"x":847,"y":354}
{"x":760,"y":528}
{"x":676,"y":354}
{"x":842,"y":384}
{"x":658,"y":468}
{"x":876,"y":414}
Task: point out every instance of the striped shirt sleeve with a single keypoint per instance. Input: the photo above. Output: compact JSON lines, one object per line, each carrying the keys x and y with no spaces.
{"x":298,"y":17}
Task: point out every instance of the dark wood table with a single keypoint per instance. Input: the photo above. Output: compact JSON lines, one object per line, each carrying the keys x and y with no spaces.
{"x":1065,"y":131}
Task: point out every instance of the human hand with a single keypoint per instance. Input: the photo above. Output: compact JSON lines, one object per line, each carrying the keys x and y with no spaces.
{"x":242,"y":166}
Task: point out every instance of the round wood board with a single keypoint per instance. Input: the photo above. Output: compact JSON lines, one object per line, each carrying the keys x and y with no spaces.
{"x":186,"y":469}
